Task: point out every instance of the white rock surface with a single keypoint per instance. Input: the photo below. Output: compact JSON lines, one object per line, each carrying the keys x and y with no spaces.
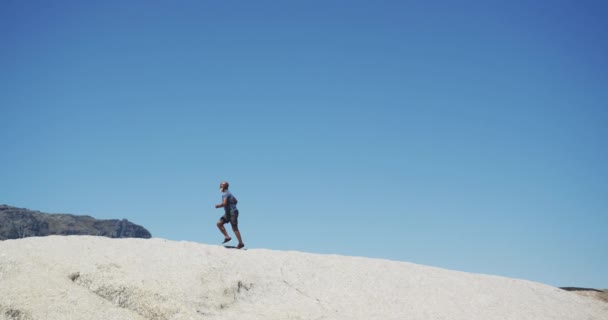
{"x":82,"y":277}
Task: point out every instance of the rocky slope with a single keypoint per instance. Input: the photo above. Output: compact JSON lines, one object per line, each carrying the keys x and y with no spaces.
{"x":84,"y":277}
{"x":18,"y":223}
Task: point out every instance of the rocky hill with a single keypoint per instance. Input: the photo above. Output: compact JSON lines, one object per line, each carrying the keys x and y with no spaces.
{"x":84,"y":277}
{"x":18,"y":223}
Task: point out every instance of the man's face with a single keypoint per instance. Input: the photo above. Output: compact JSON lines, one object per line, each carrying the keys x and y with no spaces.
{"x":223,"y":186}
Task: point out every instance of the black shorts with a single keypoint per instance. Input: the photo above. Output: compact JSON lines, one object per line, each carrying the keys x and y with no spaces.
{"x":232,"y":217}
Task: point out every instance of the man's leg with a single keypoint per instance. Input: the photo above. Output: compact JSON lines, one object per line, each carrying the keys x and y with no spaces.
{"x":237,"y":233}
{"x":220,"y":225}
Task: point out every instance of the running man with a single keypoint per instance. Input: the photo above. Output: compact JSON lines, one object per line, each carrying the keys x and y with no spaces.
{"x":231,"y":214}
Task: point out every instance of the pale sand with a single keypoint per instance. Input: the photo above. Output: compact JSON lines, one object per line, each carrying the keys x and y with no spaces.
{"x":81,"y":277}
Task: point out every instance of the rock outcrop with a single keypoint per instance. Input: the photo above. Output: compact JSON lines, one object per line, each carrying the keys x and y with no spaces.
{"x":97,"y":278}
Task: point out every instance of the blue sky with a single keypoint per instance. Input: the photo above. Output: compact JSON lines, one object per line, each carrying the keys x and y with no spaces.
{"x":469,"y":135}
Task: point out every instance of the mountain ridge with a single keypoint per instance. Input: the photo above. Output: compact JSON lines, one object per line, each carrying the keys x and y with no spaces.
{"x":16,"y":223}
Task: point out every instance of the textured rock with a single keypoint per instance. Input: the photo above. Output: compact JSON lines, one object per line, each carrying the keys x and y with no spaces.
{"x":84,"y":277}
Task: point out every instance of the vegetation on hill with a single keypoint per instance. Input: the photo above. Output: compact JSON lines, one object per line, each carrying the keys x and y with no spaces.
{"x":18,"y":223}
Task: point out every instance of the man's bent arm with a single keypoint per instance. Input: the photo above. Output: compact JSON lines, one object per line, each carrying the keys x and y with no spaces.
{"x":223,"y":204}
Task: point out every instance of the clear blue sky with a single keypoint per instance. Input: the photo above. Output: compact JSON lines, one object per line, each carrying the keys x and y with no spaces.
{"x":470,"y":135}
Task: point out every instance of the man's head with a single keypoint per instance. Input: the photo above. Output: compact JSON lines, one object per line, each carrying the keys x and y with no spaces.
{"x":224,"y":186}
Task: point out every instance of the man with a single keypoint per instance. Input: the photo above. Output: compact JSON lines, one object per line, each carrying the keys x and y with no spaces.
{"x":231,"y":214}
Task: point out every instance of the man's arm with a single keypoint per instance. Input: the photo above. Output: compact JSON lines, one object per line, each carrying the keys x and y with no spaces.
{"x":223,"y":204}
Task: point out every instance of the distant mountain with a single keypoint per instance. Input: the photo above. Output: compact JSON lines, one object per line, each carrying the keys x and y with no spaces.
{"x":18,"y":223}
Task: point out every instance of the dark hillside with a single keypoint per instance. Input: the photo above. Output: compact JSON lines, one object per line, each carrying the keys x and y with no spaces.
{"x":18,"y":223}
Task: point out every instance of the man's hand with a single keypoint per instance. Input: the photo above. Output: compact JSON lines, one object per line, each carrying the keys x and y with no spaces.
{"x":223,"y":204}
